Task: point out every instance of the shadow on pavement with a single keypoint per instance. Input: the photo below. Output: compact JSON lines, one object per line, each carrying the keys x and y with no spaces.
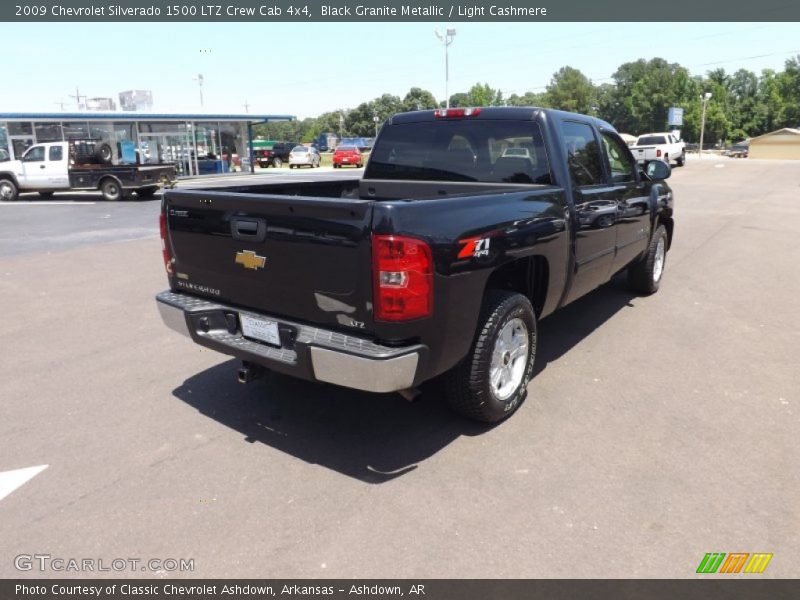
{"x":86,"y":196}
{"x":371,"y":437}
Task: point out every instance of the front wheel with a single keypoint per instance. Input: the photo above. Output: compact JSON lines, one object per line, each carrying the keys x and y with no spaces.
{"x":8,"y":191}
{"x":681,"y":159}
{"x":491,"y":382}
{"x":644,"y":276}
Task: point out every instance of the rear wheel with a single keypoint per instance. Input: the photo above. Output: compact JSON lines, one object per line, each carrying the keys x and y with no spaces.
{"x":644,"y":276}
{"x":681,"y":159}
{"x":111,"y":189}
{"x":491,"y":382}
{"x":8,"y":190}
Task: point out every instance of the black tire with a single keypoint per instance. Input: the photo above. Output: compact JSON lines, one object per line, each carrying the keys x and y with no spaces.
{"x":644,"y":276}
{"x":45,"y":195}
{"x":8,"y":190}
{"x":147,"y":192}
{"x":359,"y":165}
{"x":103,"y":154}
{"x":681,"y":160}
{"x":468,"y":385}
{"x":291,"y":166}
{"x":277,"y":162}
{"x":111,"y":189}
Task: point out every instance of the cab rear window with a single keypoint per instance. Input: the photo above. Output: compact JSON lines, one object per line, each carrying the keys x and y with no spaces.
{"x":490,"y":151}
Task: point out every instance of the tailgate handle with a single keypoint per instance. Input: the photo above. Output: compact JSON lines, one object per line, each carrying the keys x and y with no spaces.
{"x":250,"y":230}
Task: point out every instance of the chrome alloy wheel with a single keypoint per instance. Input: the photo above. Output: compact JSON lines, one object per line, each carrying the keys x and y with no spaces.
{"x":658,"y":260}
{"x":509,"y":359}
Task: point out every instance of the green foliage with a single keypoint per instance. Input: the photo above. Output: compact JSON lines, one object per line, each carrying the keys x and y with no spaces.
{"x":743,"y":104}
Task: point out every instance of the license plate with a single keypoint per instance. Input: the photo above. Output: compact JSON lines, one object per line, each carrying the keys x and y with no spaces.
{"x":260,"y":329}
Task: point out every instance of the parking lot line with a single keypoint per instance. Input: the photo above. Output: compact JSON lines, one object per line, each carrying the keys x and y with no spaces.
{"x":11,"y":480}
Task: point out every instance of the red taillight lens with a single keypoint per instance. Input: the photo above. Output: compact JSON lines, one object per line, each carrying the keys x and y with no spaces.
{"x":403,"y":278}
{"x":162,"y":225}
{"x":658,"y":152}
{"x":452,"y":113}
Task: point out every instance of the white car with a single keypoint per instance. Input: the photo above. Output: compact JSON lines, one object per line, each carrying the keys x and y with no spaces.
{"x":304,"y":156}
{"x":659,"y":146}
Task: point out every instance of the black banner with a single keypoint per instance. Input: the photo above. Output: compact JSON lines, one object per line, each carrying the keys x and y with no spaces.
{"x":438,"y":589}
{"x":400,"y":11}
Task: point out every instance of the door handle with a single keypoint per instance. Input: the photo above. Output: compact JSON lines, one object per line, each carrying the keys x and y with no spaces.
{"x":249,"y":229}
{"x":41,"y":166}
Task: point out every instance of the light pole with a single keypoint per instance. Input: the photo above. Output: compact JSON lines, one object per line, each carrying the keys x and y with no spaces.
{"x":376,"y":119}
{"x":704,"y":99}
{"x":199,"y":80}
{"x":446,"y":39}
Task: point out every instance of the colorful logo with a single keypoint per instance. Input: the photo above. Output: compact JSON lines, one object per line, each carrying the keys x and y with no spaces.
{"x":250,"y":260}
{"x":735,"y":562}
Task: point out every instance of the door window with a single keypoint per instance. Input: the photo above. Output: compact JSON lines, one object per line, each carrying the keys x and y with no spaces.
{"x":583,"y":154}
{"x":621,"y":163}
{"x":35,"y":154}
{"x":56,"y":153}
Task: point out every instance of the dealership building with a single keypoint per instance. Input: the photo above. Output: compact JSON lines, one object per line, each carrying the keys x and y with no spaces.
{"x":198,"y":144}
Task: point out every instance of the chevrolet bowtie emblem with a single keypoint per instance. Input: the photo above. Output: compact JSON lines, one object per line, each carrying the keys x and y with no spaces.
{"x":250,"y":260}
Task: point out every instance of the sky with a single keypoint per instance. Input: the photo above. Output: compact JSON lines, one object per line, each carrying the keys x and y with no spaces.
{"x":310,"y":68}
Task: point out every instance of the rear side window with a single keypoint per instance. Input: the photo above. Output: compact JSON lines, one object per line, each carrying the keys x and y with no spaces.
{"x":486,"y":151}
{"x":56,"y":153}
{"x":583,"y":154}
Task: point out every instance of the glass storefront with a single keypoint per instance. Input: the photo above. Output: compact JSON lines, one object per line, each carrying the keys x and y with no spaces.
{"x":196,"y":148}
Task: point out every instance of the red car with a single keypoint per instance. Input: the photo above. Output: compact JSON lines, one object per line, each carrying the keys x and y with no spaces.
{"x":347,"y":155}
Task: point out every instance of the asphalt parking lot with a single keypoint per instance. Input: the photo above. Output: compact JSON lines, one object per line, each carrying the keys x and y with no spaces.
{"x":656,"y":429}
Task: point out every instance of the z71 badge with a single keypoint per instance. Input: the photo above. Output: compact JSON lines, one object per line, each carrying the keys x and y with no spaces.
{"x":474,"y":247}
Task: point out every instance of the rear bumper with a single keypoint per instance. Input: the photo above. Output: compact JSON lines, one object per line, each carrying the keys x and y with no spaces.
{"x":306,"y":352}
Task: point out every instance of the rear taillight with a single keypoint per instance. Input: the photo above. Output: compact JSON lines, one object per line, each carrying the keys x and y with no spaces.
{"x":658,"y":152}
{"x":452,"y":113}
{"x":402,"y":269}
{"x":165,"y":253}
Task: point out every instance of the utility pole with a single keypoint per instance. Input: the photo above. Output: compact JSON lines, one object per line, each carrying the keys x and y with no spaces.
{"x":61,"y":104}
{"x":446,"y":39}
{"x":246,"y":107}
{"x":199,"y":80}
{"x":77,"y":97}
{"x":704,"y":99}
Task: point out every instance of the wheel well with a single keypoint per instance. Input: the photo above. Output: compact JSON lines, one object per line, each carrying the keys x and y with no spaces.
{"x":528,"y":276}
{"x":668,"y":224}
{"x":105,"y":178}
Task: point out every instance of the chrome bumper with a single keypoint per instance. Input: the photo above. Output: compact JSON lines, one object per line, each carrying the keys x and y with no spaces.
{"x":306,"y":352}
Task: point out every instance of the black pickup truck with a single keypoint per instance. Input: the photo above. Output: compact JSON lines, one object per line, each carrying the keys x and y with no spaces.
{"x":468,"y":226}
{"x":275,"y":156}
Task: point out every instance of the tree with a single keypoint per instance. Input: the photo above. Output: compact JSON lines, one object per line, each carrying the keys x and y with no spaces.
{"x":571,"y":90}
{"x":418,"y":99}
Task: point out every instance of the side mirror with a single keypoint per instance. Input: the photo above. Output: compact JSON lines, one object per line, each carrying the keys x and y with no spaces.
{"x":657,"y":170}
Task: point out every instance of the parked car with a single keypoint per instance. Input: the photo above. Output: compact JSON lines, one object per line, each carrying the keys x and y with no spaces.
{"x":739,"y":150}
{"x":440,"y":260}
{"x":347,"y":155}
{"x":275,"y":156}
{"x":659,"y":146}
{"x":304,"y":156}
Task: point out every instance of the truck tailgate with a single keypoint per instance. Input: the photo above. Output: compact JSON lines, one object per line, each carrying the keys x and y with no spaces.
{"x":307,"y":259}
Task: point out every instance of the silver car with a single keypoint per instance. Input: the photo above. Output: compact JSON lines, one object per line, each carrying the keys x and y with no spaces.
{"x":303,"y":155}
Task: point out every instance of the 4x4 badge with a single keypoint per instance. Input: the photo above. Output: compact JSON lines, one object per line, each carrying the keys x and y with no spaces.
{"x":250,"y":260}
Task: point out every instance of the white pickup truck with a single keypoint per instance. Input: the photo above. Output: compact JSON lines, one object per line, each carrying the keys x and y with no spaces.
{"x":55,"y":167}
{"x":659,"y":146}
